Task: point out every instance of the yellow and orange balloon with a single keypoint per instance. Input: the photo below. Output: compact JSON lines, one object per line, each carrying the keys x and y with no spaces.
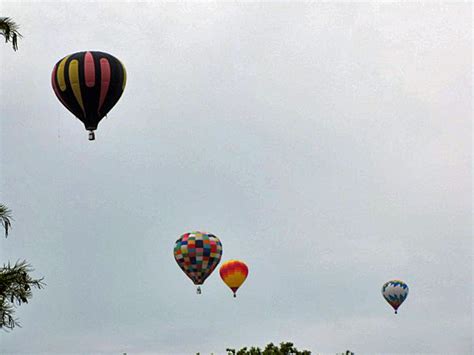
{"x":234,"y":273}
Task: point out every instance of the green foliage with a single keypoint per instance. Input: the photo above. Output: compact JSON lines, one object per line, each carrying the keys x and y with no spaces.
{"x":9,"y":30}
{"x":271,"y":349}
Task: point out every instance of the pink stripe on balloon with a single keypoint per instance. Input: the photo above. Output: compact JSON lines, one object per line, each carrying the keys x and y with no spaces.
{"x":89,"y":69}
{"x":105,"y":80}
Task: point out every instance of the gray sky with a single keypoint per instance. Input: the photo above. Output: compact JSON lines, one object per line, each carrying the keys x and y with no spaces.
{"x":327,"y":145}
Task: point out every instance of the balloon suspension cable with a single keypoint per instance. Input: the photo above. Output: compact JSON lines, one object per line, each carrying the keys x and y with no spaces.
{"x":198,"y":290}
{"x":91,"y":135}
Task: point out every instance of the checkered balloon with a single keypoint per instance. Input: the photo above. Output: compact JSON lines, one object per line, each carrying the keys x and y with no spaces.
{"x":198,"y":254}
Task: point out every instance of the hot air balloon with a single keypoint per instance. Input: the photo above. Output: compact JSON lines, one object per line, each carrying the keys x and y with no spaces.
{"x":89,"y":84}
{"x":395,"y":292}
{"x":234,"y":273}
{"x":198,"y":254}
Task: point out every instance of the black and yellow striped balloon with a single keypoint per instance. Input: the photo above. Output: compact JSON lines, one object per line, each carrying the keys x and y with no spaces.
{"x":89,"y":84}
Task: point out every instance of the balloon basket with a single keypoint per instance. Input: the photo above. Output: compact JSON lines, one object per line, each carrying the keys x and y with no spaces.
{"x":91,"y":135}
{"x":198,"y":290}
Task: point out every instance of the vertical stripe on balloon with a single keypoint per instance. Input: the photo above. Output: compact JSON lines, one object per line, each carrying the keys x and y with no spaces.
{"x":60,"y":74}
{"x":89,"y":69}
{"x":53,"y":80}
{"x":104,"y":80}
{"x":74,"y":80}
{"x":55,"y":87}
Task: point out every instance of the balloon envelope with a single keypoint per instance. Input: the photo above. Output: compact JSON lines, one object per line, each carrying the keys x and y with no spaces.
{"x":89,"y":84}
{"x":198,"y":254}
{"x":234,"y":273}
{"x":395,"y":292}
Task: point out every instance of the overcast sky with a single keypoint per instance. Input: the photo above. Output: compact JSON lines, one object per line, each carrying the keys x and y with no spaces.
{"x":328,"y":145}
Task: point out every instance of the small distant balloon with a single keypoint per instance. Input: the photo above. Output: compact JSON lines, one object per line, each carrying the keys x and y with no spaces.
{"x":198,"y":254}
{"x":395,"y":293}
{"x":234,"y":273}
{"x":89,"y":84}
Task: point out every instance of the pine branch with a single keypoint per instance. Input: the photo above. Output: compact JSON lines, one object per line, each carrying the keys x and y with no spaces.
{"x":15,"y":288}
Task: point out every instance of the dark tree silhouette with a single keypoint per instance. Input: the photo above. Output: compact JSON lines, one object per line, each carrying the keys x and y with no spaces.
{"x":15,"y":281}
{"x":271,"y":349}
{"x":5,"y":218}
{"x":9,"y":30}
